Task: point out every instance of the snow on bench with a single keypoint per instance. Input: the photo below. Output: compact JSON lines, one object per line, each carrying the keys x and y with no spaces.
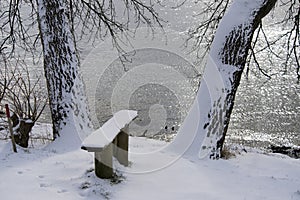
{"x":110,"y":140}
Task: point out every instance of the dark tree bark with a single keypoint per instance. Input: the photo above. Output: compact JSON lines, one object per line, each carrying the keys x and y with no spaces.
{"x":233,"y":53}
{"x":22,"y":133}
{"x":66,"y":91}
{"x":221,"y":78}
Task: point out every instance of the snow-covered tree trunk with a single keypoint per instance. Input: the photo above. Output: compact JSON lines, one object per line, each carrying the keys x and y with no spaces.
{"x":228,"y":55}
{"x":226,"y":61}
{"x":61,"y":64}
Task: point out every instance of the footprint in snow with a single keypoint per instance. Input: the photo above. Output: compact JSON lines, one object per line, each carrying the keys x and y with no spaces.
{"x":62,"y":191}
{"x":44,"y":185}
{"x":296,"y":195}
{"x":41,"y":176}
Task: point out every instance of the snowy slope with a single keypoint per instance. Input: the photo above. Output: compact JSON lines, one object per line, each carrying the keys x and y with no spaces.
{"x":158,"y":170}
{"x":43,"y":174}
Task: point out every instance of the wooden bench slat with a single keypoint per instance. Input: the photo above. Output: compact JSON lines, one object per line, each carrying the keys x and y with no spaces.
{"x":103,"y":136}
{"x":110,"y":140}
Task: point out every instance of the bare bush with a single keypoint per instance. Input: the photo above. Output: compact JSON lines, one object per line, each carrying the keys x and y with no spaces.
{"x":27,"y":99}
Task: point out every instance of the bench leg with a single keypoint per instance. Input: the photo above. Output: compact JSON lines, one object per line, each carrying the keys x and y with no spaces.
{"x":103,"y":162}
{"x":121,"y":148}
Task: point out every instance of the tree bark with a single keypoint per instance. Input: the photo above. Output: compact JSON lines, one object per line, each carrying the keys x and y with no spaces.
{"x":203,"y":132}
{"x":228,"y":54}
{"x":61,"y":65}
{"x":22,"y":133}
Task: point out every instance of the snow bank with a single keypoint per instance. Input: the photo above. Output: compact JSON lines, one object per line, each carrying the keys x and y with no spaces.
{"x":44,"y":174}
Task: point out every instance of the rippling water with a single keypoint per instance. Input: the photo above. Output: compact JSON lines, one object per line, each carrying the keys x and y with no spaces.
{"x":267,"y":112}
{"x":159,"y":84}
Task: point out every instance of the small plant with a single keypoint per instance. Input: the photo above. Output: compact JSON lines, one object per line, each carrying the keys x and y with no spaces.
{"x":226,"y":153}
{"x":117,"y":178}
{"x":85,"y":185}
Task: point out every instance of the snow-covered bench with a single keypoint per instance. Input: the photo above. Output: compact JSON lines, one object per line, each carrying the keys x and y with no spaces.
{"x":110,"y":140}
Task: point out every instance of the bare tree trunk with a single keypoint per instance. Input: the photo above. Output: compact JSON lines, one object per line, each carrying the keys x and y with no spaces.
{"x":22,"y":133}
{"x":229,"y":58}
{"x":65,"y":87}
{"x":221,"y":78}
{"x":233,"y":53}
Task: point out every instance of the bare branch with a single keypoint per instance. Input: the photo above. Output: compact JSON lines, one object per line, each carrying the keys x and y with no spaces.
{"x":101,"y":18}
{"x":213,"y":11}
{"x":27,"y":97}
{"x":18,"y":29}
{"x":6,"y":76}
{"x":203,"y":35}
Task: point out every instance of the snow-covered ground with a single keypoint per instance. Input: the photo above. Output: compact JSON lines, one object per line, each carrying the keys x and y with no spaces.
{"x":43,"y":173}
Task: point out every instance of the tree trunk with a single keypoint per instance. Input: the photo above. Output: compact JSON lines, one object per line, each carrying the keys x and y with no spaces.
{"x":215,"y":98}
{"x":61,"y":64}
{"x":22,"y":133}
{"x":232,"y":54}
{"x":228,"y":53}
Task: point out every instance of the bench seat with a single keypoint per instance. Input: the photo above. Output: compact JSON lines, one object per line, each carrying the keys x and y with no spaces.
{"x":110,"y":140}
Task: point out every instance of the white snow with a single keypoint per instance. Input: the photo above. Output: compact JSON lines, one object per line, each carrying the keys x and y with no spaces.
{"x":42,"y":173}
{"x":158,"y":170}
{"x":105,"y":134}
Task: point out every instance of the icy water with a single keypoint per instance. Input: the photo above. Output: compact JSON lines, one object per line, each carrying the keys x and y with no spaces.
{"x":157,"y":83}
{"x":264,"y":113}
{"x":162,"y":84}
